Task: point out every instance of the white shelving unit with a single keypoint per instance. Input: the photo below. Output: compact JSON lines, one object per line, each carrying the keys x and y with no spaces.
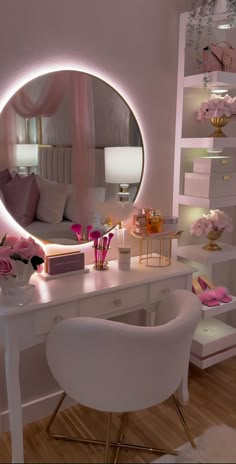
{"x":207,"y":203}
{"x":209,"y":142}
{"x":214,"y":340}
{"x":196,"y":253}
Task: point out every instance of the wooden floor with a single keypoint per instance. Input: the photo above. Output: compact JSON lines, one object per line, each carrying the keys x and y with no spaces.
{"x":212,"y":402}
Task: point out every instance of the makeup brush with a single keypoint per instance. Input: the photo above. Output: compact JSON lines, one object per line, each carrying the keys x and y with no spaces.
{"x":110,"y":235}
{"x":77,"y":228}
{"x":95,"y":235}
{"x":104,"y":248}
{"x":89,"y":228}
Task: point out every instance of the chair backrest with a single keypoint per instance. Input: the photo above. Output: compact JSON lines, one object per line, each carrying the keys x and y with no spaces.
{"x":116,"y":367}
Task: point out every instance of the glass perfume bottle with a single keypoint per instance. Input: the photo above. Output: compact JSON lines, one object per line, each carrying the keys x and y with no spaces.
{"x":154,"y":221}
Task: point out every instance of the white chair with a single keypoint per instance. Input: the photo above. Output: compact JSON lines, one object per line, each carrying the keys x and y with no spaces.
{"x":115,"y":367}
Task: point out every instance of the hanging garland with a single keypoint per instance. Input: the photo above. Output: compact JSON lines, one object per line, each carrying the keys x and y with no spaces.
{"x":205,"y":9}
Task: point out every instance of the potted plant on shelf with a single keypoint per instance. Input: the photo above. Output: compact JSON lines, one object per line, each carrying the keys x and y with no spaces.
{"x":212,"y":225}
{"x":219,"y":111}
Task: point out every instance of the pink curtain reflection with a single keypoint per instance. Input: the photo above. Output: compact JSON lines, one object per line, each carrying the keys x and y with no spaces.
{"x":83,"y":142}
{"x":7,"y":137}
{"x":83,"y":133}
{"x":48,"y":101}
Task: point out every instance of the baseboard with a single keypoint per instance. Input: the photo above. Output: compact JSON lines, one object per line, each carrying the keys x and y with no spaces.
{"x":36,"y":409}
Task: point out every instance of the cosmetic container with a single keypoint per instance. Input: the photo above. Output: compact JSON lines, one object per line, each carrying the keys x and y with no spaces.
{"x":124,"y":257}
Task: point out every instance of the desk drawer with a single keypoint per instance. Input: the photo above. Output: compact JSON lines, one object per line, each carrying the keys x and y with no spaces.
{"x":45,"y":320}
{"x":113,"y":301}
{"x":158,"y":289}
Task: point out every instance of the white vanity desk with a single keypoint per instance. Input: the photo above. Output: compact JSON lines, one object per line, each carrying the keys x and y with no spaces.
{"x":102,"y":294}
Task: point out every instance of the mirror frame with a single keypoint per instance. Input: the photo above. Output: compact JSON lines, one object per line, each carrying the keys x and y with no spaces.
{"x":48,"y":70}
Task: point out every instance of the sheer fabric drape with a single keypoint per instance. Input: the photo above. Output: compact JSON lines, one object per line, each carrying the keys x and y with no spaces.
{"x":48,"y":101}
{"x":83,"y":143}
{"x":83,"y":134}
{"x":7,"y":137}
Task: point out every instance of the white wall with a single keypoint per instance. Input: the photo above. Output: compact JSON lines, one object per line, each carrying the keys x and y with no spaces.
{"x":134,"y":43}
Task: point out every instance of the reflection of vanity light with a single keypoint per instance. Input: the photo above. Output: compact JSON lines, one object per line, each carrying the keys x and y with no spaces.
{"x":123,"y":166}
{"x":26,"y":158}
{"x":213,"y":151}
{"x":219,"y":90}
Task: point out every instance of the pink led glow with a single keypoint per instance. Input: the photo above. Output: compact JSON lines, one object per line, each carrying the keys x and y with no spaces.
{"x":8,"y":222}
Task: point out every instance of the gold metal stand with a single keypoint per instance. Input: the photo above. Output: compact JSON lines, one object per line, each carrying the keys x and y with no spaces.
{"x":162,"y":256}
{"x":119,"y":445}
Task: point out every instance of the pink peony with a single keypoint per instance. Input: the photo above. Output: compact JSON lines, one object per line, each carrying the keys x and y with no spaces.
{"x":10,"y":240}
{"x":38,"y":251}
{"x":216,"y":107}
{"x":26,"y":248}
{"x":214,"y":220}
{"x":6,"y":266}
{"x":5,"y":251}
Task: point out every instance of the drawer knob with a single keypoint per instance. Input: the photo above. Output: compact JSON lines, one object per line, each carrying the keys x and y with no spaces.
{"x":117,"y":303}
{"x":58,"y":318}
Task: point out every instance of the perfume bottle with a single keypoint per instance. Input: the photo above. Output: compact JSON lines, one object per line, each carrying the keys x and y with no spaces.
{"x":157,"y":221}
{"x":154,"y":221}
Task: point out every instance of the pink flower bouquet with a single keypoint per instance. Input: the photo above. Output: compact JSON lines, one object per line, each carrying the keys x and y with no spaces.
{"x":214,"y":220}
{"x":217,"y":107}
{"x":14,"y":249}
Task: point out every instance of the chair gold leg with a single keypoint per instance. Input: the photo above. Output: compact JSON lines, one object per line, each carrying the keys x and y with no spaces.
{"x":119,"y":445}
{"x":55,"y":412}
{"x":107,"y":444}
{"x":124,"y":420}
{"x":183,"y":421}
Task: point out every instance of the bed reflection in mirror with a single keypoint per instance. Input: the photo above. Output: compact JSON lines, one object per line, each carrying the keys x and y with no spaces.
{"x":54,"y":133}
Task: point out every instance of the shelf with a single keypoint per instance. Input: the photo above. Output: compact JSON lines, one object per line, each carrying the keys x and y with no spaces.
{"x":214,"y":359}
{"x":213,"y":341}
{"x":218,"y":78}
{"x":209,"y":142}
{"x":221,"y":309}
{"x":207,"y":203}
{"x":197,"y":254}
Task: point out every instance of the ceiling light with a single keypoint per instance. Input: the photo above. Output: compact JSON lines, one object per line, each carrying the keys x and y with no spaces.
{"x":224,"y":26}
{"x":219,"y":90}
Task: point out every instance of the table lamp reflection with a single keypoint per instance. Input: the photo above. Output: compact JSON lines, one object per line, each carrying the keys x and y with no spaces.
{"x":123,"y":166}
{"x":27,"y":158}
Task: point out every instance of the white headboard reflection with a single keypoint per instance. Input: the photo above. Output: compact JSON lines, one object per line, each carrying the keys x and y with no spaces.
{"x":54,"y":163}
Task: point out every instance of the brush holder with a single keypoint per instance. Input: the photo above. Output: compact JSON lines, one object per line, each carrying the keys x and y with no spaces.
{"x":100,"y":262}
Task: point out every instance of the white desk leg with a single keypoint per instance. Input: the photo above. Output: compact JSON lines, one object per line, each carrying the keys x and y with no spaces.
{"x":12,"y":357}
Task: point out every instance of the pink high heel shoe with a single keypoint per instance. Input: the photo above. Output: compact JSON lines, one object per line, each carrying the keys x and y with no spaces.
{"x":220,"y":293}
{"x":206,"y":297}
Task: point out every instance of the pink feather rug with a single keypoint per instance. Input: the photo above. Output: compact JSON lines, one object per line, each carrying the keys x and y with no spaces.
{"x":216,"y":445}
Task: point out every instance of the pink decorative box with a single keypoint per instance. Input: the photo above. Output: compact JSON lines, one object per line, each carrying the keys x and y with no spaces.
{"x":64,"y":263}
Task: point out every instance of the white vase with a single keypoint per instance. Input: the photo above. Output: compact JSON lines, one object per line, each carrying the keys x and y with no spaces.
{"x":23,"y":274}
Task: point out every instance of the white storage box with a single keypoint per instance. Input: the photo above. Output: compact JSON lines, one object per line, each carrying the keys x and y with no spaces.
{"x":212,"y":336}
{"x":214,"y":165}
{"x":209,"y":185}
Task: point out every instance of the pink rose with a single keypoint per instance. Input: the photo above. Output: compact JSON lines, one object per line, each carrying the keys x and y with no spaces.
{"x":39,"y":251}
{"x":10,"y":240}
{"x":26,"y":248}
{"x":5,"y":251}
{"x":6,"y":266}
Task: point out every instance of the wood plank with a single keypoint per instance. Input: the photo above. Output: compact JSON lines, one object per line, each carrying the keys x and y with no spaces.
{"x":212,"y":402}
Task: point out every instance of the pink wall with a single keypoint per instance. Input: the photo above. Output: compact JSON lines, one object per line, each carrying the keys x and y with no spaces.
{"x":134,"y":43}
